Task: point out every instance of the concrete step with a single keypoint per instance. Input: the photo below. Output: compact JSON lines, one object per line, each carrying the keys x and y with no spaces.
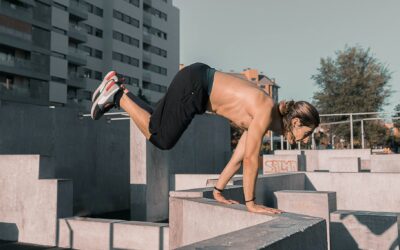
{"x":30,"y":206}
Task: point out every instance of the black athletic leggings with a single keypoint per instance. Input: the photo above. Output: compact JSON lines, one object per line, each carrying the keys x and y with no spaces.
{"x":186,"y":96}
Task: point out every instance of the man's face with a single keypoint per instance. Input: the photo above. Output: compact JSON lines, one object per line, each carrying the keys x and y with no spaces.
{"x":298,"y":132}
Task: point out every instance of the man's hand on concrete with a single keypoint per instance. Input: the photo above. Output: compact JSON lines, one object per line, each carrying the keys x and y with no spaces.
{"x":252,"y":207}
{"x":220,"y":198}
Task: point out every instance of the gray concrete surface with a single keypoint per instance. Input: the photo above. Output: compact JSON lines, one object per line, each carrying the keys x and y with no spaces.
{"x":287,"y":231}
{"x":319,"y":159}
{"x":385,"y":163}
{"x":93,"y":154}
{"x":379,"y":192}
{"x":204,"y":148}
{"x":313,"y":203}
{"x":196,"y":219}
{"x":344,"y":164}
{"x":29,"y":206}
{"x":364,"y":230}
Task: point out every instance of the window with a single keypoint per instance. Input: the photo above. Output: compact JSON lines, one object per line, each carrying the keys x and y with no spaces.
{"x":154,"y":50}
{"x":125,"y":59}
{"x":155,"y":68}
{"x":154,"y":31}
{"x":133,"y":2}
{"x":125,"y":38}
{"x":93,"y":31}
{"x":125,"y":18}
{"x":94,"y":9}
{"x":155,"y":12}
{"x":154,"y":87}
{"x":98,"y":75}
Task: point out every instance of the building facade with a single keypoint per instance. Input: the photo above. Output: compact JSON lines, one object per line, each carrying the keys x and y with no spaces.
{"x":56,"y":52}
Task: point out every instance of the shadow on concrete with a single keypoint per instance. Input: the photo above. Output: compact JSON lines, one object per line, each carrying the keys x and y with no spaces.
{"x":12,"y":245}
{"x":9,"y":231}
{"x":340,"y":237}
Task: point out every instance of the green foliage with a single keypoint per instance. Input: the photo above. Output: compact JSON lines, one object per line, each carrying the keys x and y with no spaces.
{"x":353,"y":81}
{"x":396,"y":122}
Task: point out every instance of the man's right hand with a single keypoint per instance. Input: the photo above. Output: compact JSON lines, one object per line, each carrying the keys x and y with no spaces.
{"x":252,"y":207}
{"x":220,"y":198}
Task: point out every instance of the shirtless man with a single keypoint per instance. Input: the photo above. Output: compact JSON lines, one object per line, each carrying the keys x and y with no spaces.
{"x":197,"y":88}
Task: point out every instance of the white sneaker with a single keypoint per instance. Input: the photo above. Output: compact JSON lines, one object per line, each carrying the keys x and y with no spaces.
{"x":112,"y":75}
{"x":105,"y":98}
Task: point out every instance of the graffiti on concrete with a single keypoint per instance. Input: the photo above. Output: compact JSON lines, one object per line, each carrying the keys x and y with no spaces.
{"x":278,"y":166}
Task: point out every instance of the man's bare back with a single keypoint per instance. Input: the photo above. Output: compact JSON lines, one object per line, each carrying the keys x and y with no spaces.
{"x":236,"y":99}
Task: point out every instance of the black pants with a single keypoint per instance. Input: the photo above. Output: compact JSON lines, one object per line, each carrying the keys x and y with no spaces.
{"x":186,"y":96}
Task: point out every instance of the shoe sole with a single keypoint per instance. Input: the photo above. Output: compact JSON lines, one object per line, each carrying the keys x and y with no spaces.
{"x":106,"y":79}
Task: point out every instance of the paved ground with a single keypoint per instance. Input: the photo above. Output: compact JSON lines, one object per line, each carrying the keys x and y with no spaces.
{"x":11,"y":245}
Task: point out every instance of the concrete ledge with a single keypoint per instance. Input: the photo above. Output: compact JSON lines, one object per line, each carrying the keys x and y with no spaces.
{"x":29,"y":206}
{"x":312,"y":203}
{"x":234,"y":192}
{"x":379,"y":192}
{"x":364,"y":230}
{"x":287,"y":231}
{"x":385,"y":163}
{"x":192,"y":181}
{"x":344,"y":164}
{"x":197,"y":219}
{"x":140,"y":235}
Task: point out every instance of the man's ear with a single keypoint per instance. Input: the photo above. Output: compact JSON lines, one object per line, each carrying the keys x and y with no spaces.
{"x":295,"y":122}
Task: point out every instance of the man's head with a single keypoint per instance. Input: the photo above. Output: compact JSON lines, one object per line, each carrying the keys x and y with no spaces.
{"x":299,"y":120}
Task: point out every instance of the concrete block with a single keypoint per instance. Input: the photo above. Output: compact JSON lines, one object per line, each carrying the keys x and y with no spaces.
{"x":286,"y":231}
{"x":385,"y":163}
{"x":139,"y":235}
{"x":86,"y":233}
{"x":344,"y":164}
{"x":268,"y":184}
{"x":191,"y":181}
{"x":379,"y":192}
{"x":29,"y":206}
{"x":280,"y":163}
{"x":193,"y":220}
{"x":364,"y":230}
{"x":234,"y":192}
{"x":312,"y":203}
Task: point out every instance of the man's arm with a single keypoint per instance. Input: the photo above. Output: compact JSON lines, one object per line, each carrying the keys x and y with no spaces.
{"x":230,"y":169}
{"x":256,"y":131}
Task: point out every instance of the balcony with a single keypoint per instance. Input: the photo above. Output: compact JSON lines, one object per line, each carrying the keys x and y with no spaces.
{"x":76,"y":79}
{"x":77,"y":33}
{"x":77,"y":56}
{"x":23,"y":67}
{"x":78,"y":10}
{"x":16,"y":12}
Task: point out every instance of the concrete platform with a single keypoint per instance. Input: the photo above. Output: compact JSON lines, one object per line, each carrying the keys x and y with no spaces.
{"x":344,"y":164}
{"x":364,"y":230}
{"x":29,"y":206}
{"x":313,"y":203}
{"x":195,"y":220}
{"x":385,"y":163}
{"x":94,"y":233}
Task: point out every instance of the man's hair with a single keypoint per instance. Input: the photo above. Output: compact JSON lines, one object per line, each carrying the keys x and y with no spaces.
{"x":307,"y":114}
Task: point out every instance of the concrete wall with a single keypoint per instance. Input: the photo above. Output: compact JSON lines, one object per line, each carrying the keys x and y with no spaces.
{"x":94,"y":154}
{"x":319,"y":159}
{"x":364,"y":230}
{"x":203,"y":148}
{"x":379,"y":192}
{"x":94,"y":233}
{"x":385,"y":163}
{"x":29,"y":206}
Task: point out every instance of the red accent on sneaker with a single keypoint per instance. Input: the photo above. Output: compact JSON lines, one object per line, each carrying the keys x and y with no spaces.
{"x":111,"y":75}
{"x":110,"y":85}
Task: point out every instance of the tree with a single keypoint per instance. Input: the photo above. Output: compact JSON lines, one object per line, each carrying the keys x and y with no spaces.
{"x":353,"y":81}
{"x":396,"y":122}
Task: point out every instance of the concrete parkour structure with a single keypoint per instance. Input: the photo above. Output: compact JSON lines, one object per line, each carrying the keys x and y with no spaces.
{"x":334,"y":199}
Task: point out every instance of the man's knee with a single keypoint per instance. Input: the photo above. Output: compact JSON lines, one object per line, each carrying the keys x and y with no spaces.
{"x":161,"y":144}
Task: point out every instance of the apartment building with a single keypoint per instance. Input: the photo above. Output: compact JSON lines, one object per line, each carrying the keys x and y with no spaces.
{"x":55,"y":52}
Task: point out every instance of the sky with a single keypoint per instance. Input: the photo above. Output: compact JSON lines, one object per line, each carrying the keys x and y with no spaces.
{"x":286,"y":39}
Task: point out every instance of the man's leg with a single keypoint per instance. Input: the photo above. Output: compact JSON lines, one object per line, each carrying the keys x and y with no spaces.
{"x":138,"y":111}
